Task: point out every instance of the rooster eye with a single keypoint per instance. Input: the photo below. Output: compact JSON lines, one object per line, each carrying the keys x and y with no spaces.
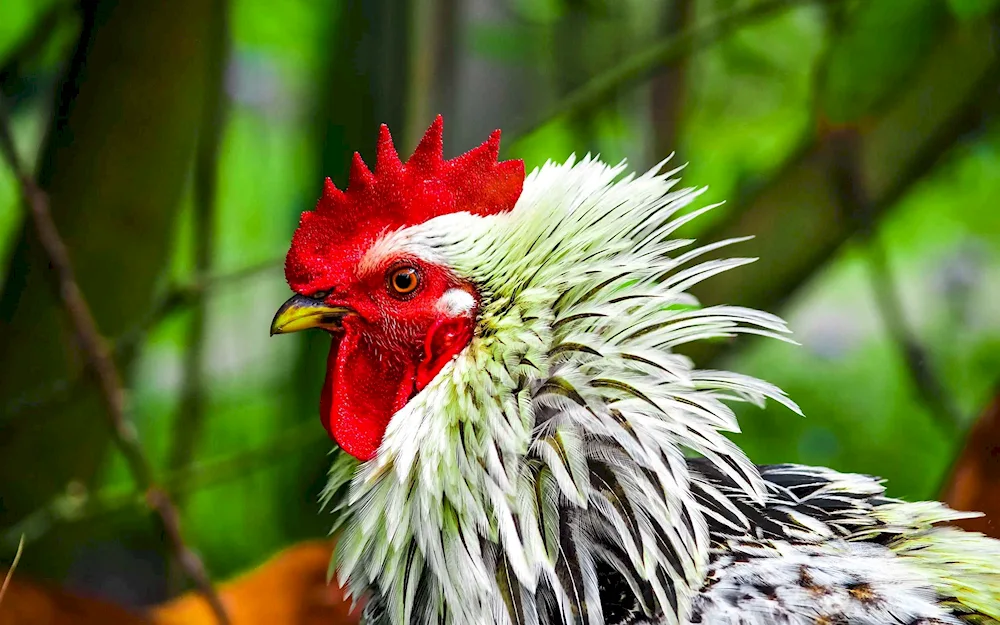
{"x":403,"y":280}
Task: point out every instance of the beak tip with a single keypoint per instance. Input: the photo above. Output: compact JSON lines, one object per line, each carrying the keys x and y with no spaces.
{"x":301,"y":313}
{"x":275,"y":327}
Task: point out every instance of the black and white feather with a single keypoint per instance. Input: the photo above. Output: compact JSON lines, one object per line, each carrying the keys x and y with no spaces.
{"x":546,"y":475}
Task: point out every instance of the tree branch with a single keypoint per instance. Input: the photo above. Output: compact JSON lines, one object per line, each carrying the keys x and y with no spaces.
{"x":101,"y":364}
{"x":173,"y":301}
{"x":666,"y":50}
{"x":797,"y":218}
{"x":849,"y":185}
{"x":76,"y":505}
{"x":182,"y":296}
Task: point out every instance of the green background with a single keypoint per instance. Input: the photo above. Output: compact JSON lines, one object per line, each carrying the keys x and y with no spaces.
{"x":857,"y":140}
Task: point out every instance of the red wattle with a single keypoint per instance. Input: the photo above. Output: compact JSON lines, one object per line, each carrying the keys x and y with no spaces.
{"x":326,"y":396}
{"x":445,"y":339}
{"x":363,"y":389}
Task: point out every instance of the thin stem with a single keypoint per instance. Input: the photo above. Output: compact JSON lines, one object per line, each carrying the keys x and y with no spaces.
{"x":13,"y":567}
{"x":916,"y":357}
{"x":76,"y":505}
{"x":664,"y":51}
{"x":772,"y":210}
{"x":855,"y":200}
{"x":595,"y":91}
{"x":182,"y":296}
{"x":173,"y":301}
{"x":101,"y":364}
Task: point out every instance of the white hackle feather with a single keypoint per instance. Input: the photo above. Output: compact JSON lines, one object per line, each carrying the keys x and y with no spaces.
{"x":557,"y":440}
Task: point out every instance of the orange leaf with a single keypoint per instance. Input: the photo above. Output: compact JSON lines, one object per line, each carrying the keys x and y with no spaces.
{"x":975,"y":479}
{"x":288,"y":589}
{"x":34,"y":603}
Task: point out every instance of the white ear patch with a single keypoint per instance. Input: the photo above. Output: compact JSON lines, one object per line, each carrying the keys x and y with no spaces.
{"x":456,"y":302}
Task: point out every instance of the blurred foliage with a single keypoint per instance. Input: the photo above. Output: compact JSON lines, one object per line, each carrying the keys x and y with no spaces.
{"x":861,"y":411}
{"x":307,"y":82}
{"x":290,"y":587}
{"x":969,"y":9}
{"x":860,"y":75}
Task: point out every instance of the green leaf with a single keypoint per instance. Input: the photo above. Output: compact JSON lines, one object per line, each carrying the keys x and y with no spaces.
{"x":970,"y":9}
{"x":16,"y":20}
{"x":540,"y":11}
{"x":115,"y":167}
{"x":878,"y":49}
{"x":505,"y":42}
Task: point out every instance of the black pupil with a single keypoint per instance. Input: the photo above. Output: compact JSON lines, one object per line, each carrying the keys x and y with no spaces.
{"x":404,"y":280}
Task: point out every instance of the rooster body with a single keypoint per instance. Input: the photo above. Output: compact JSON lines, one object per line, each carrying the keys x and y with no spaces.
{"x":530,"y":461}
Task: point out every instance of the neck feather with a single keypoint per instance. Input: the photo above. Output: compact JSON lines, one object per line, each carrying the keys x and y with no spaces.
{"x":555,"y":443}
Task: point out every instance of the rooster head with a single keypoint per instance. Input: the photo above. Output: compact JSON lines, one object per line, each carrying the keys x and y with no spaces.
{"x":396,"y":317}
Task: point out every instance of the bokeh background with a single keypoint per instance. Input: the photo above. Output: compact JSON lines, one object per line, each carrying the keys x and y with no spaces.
{"x":178,"y":141}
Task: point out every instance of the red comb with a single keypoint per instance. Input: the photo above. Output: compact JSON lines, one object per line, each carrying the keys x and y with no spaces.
{"x":396,"y":195}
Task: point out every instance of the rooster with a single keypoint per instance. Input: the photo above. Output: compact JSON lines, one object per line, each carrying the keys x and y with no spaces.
{"x":523,"y":444}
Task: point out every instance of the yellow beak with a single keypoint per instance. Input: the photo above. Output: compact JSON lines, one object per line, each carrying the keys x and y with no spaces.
{"x":301,"y":313}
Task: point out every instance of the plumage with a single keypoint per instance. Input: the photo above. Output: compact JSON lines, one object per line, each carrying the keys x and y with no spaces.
{"x":566,"y":465}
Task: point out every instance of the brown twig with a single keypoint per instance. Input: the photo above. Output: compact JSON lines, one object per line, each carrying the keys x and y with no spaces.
{"x":101,"y":364}
{"x":848,"y":182}
{"x":182,"y":296}
{"x":174,"y":300}
{"x":159,"y":502}
{"x":77,"y":505}
{"x":855,"y":199}
{"x":13,"y":566}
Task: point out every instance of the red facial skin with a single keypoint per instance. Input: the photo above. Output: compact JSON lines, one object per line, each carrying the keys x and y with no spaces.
{"x":393,"y":345}
{"x":388,"y":351}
